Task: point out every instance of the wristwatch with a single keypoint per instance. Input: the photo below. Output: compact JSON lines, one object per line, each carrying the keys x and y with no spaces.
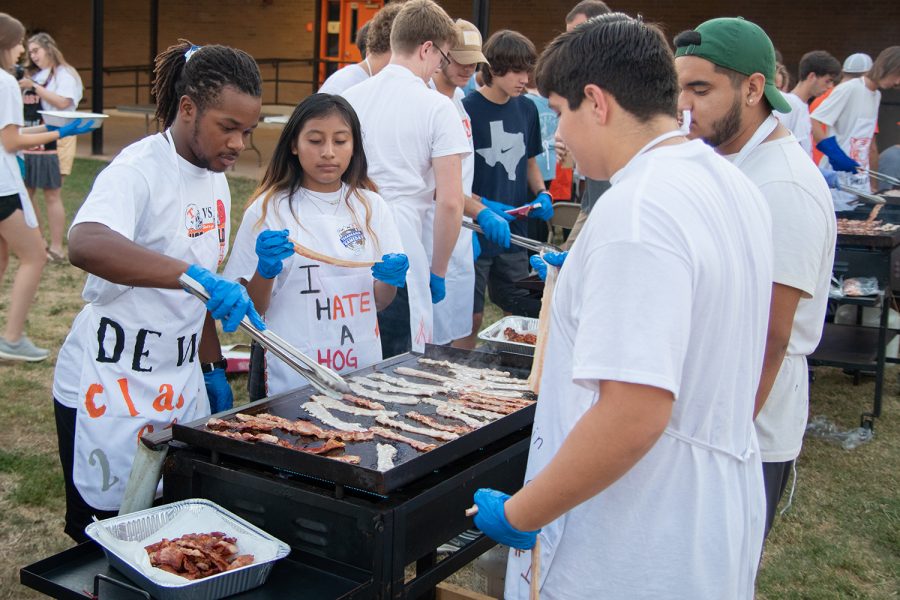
{"x":222,"y":363}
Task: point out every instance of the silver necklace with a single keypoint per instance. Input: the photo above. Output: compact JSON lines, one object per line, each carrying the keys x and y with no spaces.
{"x":335,"y":203}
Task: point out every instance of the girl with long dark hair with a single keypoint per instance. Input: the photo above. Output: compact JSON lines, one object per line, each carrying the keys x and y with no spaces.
{"x":316,"y":192}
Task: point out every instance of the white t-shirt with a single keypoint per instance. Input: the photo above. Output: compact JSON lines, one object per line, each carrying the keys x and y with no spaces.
{"x":63,"y":83}
{"x":688,"y":236}
{"x":850,"y":112}
{"x":798,"y":121}
{"x":133,"y":196}
{"x":405,"y":125}
{"x":804,"y":235}
{"x":285,"y":215}
{"x":343,"y":79}
{"x":10,"y":114}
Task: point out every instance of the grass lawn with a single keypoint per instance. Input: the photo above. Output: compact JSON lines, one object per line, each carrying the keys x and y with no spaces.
{"x":840,"y":539}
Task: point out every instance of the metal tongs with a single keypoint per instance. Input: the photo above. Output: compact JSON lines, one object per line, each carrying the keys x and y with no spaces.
{"x":870,"y":198}
{"x":881,"y":176}
{"x":518,"y":240}
{"x":322,"y":378}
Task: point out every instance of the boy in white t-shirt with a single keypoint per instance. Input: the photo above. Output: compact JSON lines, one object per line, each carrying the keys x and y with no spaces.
{"x":414,"y":142}
{"x":818,"y":71}
{"x":726,"y":68}
{"x":643,"y":471}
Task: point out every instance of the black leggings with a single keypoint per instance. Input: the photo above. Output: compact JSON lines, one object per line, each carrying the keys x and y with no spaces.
{"x":9,"y":205}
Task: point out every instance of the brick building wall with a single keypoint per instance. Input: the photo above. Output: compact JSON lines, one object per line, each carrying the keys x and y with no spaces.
{"x":277,"y":28}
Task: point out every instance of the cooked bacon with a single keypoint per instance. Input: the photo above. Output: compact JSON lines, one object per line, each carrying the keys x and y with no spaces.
{"x":346,"y":458}
{"x":490,"y":397}
{"x":474,"y":412}
{"x":451,"y":413}
{"x":447,"y":381}
{"x":386,"y":454}
{"x":352,"y":409}
{"x":322,"y":414}
{"x":459,"y":367}
{"x":399,"y":437}
{"x":389,"y":398}
{"x":197,"y":555}
{"x":248,"y":437}
{"x":328,"y":446}
{"x":330,"y":260}
{"x":519,"y":337}
{"x":363,"y":402}
{"x":425,"y":389}
{"x":237,"y":426}
{"x":307,"y":428}
{"x":463,"y":381}
{"x":501,"y":409}
{"x":435,"y":424}
{"x":404,"y":426}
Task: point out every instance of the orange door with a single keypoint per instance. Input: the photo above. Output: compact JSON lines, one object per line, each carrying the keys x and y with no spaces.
{"x":341,"y":20}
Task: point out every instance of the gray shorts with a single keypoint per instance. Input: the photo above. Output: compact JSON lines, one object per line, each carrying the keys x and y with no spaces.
{"x":499,"y":275}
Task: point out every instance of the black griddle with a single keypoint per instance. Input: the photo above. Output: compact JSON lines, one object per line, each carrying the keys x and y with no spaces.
{"x":410,"y":464}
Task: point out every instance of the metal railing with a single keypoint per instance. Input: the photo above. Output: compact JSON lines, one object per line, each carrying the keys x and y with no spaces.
{"x":139,"y":78}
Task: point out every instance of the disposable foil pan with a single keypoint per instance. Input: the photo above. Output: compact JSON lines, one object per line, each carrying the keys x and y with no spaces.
{"x":142,"y":524}
{"x":493,"y":335}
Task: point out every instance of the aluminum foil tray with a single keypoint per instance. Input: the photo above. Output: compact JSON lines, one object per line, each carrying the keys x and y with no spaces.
{"x":493,"y":335}
{"x":139,"y":525}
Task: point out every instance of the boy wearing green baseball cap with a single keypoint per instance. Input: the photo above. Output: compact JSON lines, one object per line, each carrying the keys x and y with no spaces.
{"x":726,"y":70}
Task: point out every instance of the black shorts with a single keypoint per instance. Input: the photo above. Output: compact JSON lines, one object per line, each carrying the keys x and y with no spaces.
{"x":499,"y":275}
{"x":775,"y":479}
{"x":9,"y":205}
{"x":78,"y":512}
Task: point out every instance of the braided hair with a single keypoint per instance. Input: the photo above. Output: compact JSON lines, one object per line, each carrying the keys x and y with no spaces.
{"x":201,"y":78}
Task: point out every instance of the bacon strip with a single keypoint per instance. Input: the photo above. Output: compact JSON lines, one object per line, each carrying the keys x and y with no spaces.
{"x":307,"y":428}
{"x":404,"y":384}
{"x":403,"y":426}
{"x":328,"y":446}
{"x":399,"y":437}
{"x":329,"y":260}
{"x":322,"y":414}
{"x":474,"y":412}
{"x":459,"y":367}
{"x":490,"y":398}
{"x":461,"y":382}
{"x":502,"y":409}
{"x":451,"y":413}
{"x":346,"y":458}
{"x":237,"y":426}
{"x":383,"y":386}
{"x":363,"y":402}
{"x":386,"y":454}
{"x":435,"y":424}
{"x":337,"y":405}
{"x":447,"y":381}
{"x":248,"y":437}
{"x":389,"y":398}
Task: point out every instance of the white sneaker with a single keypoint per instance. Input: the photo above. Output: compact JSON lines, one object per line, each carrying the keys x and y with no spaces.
{"x":22,"y":350}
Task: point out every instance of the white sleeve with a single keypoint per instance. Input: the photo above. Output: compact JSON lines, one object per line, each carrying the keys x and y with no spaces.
{"x":10,"y":103}
{"x":799,"y":235}
{"x":242,"y":261}
{"x":117,"y":200}
{"x":447,"y":133}
{"x":832,"y":107}
{"x":67,"y":86}
{"x":640,"y":296}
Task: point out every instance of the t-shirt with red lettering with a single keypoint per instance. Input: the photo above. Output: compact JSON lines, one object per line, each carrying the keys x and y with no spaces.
{"x":325,"y":311}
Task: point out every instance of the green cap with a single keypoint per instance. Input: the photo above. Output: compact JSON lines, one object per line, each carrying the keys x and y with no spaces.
{"x":742,"y":46}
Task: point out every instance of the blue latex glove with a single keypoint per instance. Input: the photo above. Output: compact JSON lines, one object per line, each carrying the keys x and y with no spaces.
{"x":543,"y":207}
{"x":476,"y":247}
{"x":495,"y":228}
{"x":438,"y":288}
{"x":540,"y":264}
{"x":499,"y":208}
{"x":228,"y":300}
{"x":392,"y":269}
{"x":838,"y":159}
{"x":491,"y":519}
{"x":219,"y":391}
{"x":76,"y":127}
{"x":272,"y":247}
{"x":831,"y":177}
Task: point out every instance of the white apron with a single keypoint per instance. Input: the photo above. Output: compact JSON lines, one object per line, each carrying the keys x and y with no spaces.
{"x":453,"y":315}
{"x":856,"y":147}
{"x":410,"y":216}
{"x":141,"y":373}
{"x":326,"y":312}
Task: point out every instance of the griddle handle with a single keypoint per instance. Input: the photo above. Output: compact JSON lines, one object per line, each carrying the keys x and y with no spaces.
{"x":128,"y":588}
{"x":157,"y":439}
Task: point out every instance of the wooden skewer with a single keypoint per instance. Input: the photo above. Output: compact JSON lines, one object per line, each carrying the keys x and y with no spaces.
{"x":535,"y":591}
{"x":330,"y":260}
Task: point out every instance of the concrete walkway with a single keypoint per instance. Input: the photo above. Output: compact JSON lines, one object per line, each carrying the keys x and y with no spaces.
{"x":124,"y":128}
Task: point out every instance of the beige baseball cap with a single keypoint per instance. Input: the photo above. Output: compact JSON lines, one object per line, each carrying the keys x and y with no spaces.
{"x":467,"y":49}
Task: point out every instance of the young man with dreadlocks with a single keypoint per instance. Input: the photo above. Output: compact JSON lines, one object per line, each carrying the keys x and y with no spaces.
{"x":643,"y":472}
{"x":140,"y":351}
